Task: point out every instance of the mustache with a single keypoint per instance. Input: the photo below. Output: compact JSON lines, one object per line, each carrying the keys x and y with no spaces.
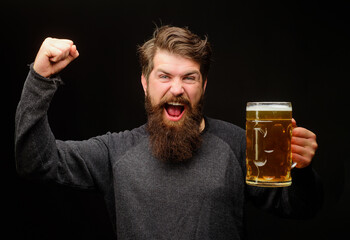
{"x":180,"y":99}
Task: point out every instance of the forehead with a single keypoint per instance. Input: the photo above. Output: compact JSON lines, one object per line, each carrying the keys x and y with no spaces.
{"x":174,"y":63}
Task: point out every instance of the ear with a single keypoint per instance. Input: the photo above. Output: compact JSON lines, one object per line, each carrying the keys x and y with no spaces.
{"x":144,"y":84}
{"x":205,"y":85}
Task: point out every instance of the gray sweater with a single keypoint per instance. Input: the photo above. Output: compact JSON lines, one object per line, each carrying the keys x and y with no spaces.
{"x":146,"y":198}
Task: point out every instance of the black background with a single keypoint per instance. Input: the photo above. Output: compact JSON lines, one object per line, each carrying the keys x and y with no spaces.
{"x":294,"y":51}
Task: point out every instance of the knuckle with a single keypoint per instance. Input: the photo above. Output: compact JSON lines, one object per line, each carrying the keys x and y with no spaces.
{"x":59,"y":52}
{"x":48,"y":39}
{"x":295,"y":130}
{"x":313,"y":135}
{"x":298,"y":131}
{"x":312,"y":153}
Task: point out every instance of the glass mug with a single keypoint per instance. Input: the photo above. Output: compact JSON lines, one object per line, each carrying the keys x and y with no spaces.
{"x":268,"y":151}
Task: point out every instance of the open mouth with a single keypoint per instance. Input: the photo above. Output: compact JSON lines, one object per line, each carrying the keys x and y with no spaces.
{"x":174,"y":110}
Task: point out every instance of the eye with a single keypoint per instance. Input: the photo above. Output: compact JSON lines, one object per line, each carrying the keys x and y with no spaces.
{"x":189,"y":78}
{"x":164,"y":78}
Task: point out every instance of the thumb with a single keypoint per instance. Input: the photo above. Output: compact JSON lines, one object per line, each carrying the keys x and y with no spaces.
{"x":74,"y":52}
{"x":294,"y":123}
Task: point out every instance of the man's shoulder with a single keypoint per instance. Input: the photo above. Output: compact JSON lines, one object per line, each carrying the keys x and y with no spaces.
{"x":223,"y":128}
{"x":230,"y":133}
{"x":138,"y":132}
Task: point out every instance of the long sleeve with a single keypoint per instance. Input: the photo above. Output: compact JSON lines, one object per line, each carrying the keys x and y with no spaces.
{"x":39,"y":155}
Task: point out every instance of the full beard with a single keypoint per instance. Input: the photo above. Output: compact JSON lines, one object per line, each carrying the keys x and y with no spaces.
{"x":174,"y":141}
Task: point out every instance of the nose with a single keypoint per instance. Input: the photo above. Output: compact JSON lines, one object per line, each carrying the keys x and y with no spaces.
{"x":177,"y":88}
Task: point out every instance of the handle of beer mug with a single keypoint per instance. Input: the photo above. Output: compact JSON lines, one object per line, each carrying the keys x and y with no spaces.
{"x":294,"y":125}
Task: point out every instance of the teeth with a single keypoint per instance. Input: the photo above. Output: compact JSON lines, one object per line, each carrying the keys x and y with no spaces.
{"x":175,"y":104}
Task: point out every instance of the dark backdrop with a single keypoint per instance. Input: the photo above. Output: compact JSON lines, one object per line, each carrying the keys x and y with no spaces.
{"x":294,"y":51}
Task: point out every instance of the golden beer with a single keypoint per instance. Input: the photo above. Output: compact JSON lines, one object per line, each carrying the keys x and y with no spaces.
{"x":268,"y":151}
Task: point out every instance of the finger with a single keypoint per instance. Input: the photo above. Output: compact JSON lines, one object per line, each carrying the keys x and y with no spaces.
{"x":294,"y":123}
{"x":300,"y":141}
{"x":73,"y":54}
{"x":68,"y":41}
{"x":62,"y":45}
{"x":303,"y":133}
{"x":299,"y":150}
{"x":54,"y":54}
{"x":61,"y":55}
{"x":57,"y":49}
{"x":306,"y":152}
{"x":305,"y":142}
{"x":300,"y":160}
{"x":55,"y":41}
{"x":60,"y":50}
{"x":74,"y":51}
{"x":66,"y":60}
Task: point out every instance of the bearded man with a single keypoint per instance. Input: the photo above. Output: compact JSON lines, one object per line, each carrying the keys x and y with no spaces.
{"x":179,"y":176}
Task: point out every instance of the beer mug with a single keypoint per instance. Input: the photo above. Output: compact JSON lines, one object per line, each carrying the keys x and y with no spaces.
{"x":268,"y":151}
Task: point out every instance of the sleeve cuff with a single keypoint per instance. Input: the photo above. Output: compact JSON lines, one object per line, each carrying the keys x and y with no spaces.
{"x":55,"y":79}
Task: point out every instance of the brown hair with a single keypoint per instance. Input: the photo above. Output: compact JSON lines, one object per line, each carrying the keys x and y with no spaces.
{"x":179,"y":41}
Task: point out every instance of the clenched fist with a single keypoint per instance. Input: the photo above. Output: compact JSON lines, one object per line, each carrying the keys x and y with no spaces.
{"x":54,"y":55}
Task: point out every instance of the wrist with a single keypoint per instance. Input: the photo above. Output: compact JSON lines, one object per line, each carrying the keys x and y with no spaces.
{"x":56,"y":79}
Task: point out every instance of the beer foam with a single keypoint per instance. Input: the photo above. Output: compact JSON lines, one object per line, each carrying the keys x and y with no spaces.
{"x":270,"y":107}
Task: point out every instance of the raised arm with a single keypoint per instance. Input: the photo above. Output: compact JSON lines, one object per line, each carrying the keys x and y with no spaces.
{"x":38,"y":154}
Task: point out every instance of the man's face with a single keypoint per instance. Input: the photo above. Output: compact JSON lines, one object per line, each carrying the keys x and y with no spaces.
{"x":174,"y":76}
{"x":174,"y":101}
